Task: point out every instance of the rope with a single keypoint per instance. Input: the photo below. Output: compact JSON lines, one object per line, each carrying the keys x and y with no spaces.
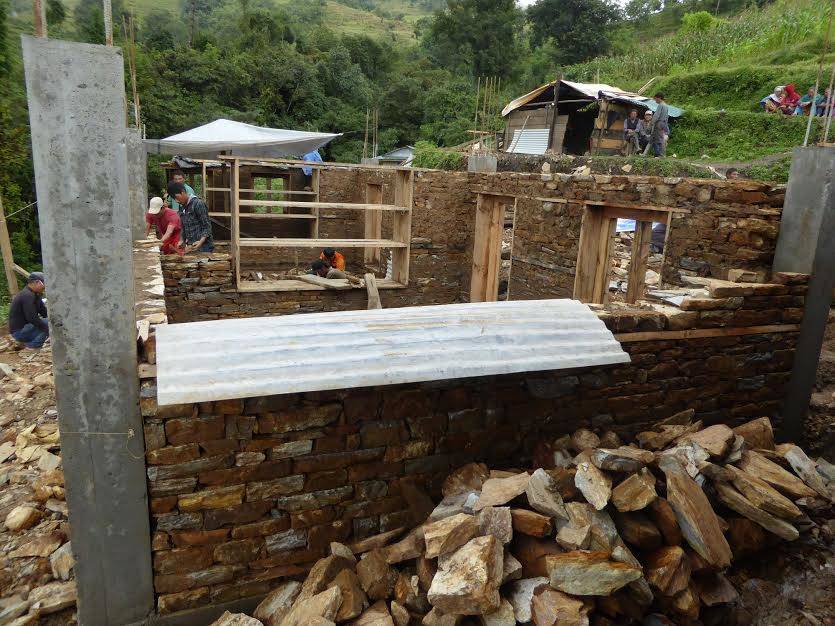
{"x":130,"y":435}
{"x":23,"y":209}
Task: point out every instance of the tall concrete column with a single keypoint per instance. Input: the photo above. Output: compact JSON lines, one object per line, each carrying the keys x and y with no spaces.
{"x":76,"y":109}
{"x":806,"y":244}
{"x":137,"y":182}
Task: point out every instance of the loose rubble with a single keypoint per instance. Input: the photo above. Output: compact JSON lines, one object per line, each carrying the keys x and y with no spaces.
{"x":37,"y":580}
{"x":608,"y":535}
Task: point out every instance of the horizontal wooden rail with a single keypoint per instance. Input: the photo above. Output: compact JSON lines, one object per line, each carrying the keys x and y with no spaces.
{"x":268,"y":216}
{"x":298,"y":285}
{"x":325,"y":205}
{"x":260,"y":242}
{"x":291,"y":193}
{"x":217,"y":189}
{"x":698,"y":333}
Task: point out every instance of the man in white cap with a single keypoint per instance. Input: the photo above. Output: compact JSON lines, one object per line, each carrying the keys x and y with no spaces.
{"x":27,"y":314}
{"x":167,"y":224}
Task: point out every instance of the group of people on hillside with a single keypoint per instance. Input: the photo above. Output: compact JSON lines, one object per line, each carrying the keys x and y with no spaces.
{"x":786,"y":100}
{"x":650,"y":132}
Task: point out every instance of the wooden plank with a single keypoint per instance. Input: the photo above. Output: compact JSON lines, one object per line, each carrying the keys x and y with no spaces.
{"x":487,"y":249}
{"x":8,"y":257}
{"x":284,"y":191}
{"x":224,"y":189}
{"x":637,"y":271}
{"x":325,"y":283}
{"x":602,"y":263}
{"x":639,"y":215}
{"x":147,"y":370}
{"x":348,"y":206}
{"x":404,"y":190}
{"x":373,"y":222}
{"x":643,"y":207}
{"x":587,"y":255}
{"x":314,"y":229}
{"x":697,"y":333}
{"x":297,"y":285}
{"x":374,"y":301}
{"x":294,"y":163}
{"x":266,"y":216}
{"x":257,"y":242}
{"x":23,"y":272}
{"x":235,"y":225}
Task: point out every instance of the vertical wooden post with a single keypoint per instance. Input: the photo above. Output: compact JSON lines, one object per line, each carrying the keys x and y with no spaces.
{"x":373,"y":294}
{"x":591,"y":280}
{"x":8,"y":258}
{"x":373,"y":222}
{"x":234,"y":223}
{"x":39,"y":10}
{"x":636,"y":275}
{"x":314,"y":234}
{"x":205,"y":184}
{"x":402,"y":231}
{"x":487,"y":247}
{"x":107,"y":13}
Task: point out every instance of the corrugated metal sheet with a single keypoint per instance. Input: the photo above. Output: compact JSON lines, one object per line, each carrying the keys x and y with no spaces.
{"x":529,"y":141}
{"x":240,"y":358}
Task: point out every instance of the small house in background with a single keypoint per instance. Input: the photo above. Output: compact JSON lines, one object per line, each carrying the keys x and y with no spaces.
{"x":557,"y":117}
{"x":399,"y":157}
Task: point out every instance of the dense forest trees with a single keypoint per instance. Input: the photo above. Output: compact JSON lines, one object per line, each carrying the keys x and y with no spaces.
{"x":277,"y":64}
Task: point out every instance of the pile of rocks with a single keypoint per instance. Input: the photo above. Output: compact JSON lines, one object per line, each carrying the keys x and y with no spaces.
{"x":36,"y":569}
{"x":601,"y":533}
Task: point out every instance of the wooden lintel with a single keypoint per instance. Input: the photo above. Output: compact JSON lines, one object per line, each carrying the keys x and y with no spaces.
{"x":639,"y":215}
{"x":697,"y":333}
{"x":646,"y":207}
{"x":557,"y":200}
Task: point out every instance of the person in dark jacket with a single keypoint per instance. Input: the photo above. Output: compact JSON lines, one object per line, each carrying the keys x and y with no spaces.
{"x":27,"y":313}
{"x":196,"y":233}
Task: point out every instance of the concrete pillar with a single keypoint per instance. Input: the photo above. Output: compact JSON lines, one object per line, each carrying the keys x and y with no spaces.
{"x":76,"y":109}
{"x":806,"y":244}
{"x":137,"y":182}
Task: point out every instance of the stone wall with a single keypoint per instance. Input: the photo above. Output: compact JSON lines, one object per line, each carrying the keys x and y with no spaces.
{"x":716,"y":226}
{"x":244,"y":492}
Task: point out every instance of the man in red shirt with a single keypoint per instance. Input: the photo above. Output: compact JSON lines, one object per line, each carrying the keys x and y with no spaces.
{"x":167,"y":225}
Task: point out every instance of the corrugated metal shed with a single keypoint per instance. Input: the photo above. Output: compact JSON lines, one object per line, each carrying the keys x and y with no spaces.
{"x":241,"y":358}
{"x":529,"y":141}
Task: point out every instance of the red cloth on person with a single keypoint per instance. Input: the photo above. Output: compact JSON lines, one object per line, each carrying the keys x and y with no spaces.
{"x":160,"y":222}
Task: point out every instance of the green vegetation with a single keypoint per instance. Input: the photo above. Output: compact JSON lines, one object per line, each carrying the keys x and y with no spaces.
{"x":429,"y":156}
{"x":735,"y":135}
{"x":775,"y":172}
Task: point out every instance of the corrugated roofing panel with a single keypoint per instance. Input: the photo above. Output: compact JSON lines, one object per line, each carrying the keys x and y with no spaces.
{"x":242,"y":358}
{"x":529,"y":141}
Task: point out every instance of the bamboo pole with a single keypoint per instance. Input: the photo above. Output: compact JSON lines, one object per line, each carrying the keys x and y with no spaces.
{"x":107,"y":11}
{"x":8,"y":258}
{"x":39,"y":10}
{"x":820,"y":72}
{"x":828,"y":109}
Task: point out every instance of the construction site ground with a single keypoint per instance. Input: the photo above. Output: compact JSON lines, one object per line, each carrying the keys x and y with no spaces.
{"x":793,"y":586}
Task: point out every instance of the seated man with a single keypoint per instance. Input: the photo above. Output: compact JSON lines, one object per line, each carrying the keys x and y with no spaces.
{"x":196,"y":232}
{"x":323,"y":270}
{"x":167,"y":225}
{"x":27,"y":314}
{"x":630,"y":133}
{"x":333,"y":258}
{"x":645,"y":132}
{"x":826,"y":104}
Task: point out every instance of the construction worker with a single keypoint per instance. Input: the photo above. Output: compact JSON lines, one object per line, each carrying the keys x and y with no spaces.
{"x":166,"y":223}
{"x":177,"y":176}
{"x":27,"y":314}
{"x":323,"y":270}
{"x":194,"y":217}
{"x":333,"y":258}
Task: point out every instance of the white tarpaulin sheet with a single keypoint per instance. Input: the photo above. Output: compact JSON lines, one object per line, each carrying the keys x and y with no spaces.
{"x":260,"y":356}
{"x":239,"y":139}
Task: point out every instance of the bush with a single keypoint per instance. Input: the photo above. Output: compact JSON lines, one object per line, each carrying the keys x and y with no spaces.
{"x":774,"y":172}
{"x":736,"y":135}
{"x":697,"y":22}
{"x":430,"y":156}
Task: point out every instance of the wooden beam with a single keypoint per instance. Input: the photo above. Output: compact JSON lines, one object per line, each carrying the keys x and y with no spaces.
{"x":639,"y":215}
{"x":297,"y":285}
{"x":487,"y":247}
{"x":587,"y":255}
{"x":235,"y":225}
{"x":637,"y":272}
{"x":373,"y":222}
{"x":623,"y":205}
{"x":326,"y":283}
{"x":266,"y":216}
{"x":8,"y":257}
{"x":284,"y":191}
{"x":404,"y":191}
{"x":697,"y":333}
{"x":348,"y":206}
{"x":23,"y":272}
{"x":374,"y":301}
{"x":314,"y":181}
{"x":257,"y":242}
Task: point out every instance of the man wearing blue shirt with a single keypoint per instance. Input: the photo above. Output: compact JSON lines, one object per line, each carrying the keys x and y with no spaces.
{"x":307,"y":170}
{"x":177,"y":176}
